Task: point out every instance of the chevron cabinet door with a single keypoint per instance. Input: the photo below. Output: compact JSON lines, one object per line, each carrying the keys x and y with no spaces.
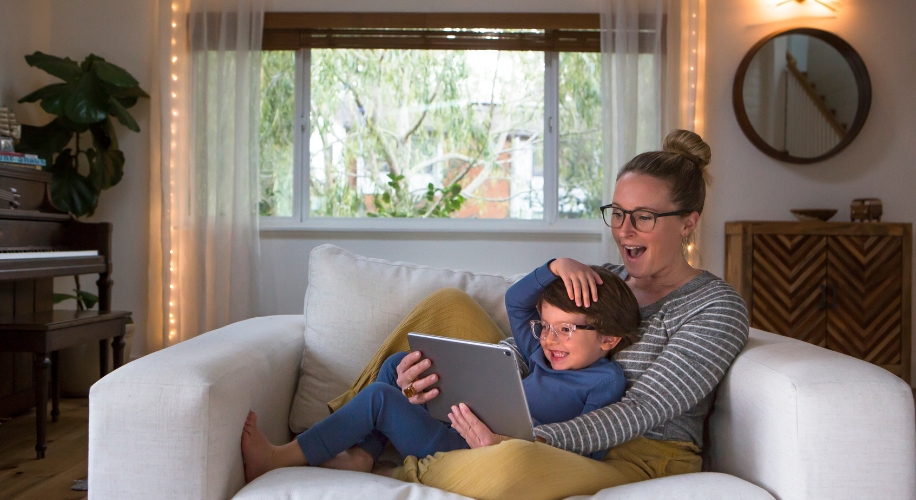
{"x":843,"y":286}
{"x":789,"y":276}
{"x":864,"y":318}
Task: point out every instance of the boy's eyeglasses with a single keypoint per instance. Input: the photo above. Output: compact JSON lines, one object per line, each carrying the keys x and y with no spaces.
{"x":561,"y":333}
{"x":642,"y":220}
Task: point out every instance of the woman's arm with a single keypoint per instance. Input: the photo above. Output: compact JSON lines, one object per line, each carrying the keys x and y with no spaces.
{"x":693,"y":361}
{"x":521,"y":305}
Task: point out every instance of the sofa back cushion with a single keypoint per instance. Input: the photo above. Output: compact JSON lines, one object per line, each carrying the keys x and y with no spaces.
{"x":351,"y":305}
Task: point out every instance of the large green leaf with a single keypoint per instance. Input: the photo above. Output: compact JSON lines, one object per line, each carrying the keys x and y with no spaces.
{"x":103,"y":135}
{"x":87,"y":104}
{"x":106,"y":167}
{"x":53,"y":103}
{"x":127,"y":96}
{"x":123,"y":116}
{"x":66,"y":69}
{"x":106,"y":161}
{"x":48,"y":92}
{"x":45,"y":141}
{"x":89,"y":299}
{"x":70,"y":191}
{"x":113,"y":74}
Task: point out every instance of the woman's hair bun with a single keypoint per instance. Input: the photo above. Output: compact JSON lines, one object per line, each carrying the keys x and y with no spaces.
{"x":688,"y":144}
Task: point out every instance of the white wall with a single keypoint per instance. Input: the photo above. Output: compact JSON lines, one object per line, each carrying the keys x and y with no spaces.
{"x":881,"y":162}
{"x":121,"y":31}
{"x":26,"y":29}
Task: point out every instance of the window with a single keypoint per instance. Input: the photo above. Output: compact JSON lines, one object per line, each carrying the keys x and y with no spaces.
{"x":468,"y":129}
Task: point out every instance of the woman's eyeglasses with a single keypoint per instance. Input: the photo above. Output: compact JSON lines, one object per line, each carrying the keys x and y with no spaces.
{"x":642,"y":220}
{"x":561,"y":333}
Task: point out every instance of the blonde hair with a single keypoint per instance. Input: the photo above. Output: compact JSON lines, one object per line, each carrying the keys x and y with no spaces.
{"x":682,"y":162}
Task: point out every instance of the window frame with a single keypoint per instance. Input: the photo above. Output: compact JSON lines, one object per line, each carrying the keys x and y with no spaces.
{"x":301,"y":220}
{"x":292,"y":32}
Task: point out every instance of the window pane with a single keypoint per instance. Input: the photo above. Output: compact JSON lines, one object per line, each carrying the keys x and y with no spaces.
{"x":278,"y":85}
{"x":426,"y":133}
{"x":581,"y":173}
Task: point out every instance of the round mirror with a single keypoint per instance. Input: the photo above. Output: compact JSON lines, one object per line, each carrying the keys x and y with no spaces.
{"x":801,"y":95}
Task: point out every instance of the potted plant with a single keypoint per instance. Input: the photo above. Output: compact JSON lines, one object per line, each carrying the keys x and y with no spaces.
{"x":92,"y":92}
{"x":80,"y":145}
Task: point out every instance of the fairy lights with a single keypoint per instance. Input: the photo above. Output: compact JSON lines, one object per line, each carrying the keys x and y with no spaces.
{"x":174,"y":293}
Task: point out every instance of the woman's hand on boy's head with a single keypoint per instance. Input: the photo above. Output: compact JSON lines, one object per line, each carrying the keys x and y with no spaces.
{"x":581,"y":281}
{"x":475,"y":432}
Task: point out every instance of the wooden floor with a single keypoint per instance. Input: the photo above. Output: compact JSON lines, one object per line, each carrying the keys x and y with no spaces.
{"x":22,"y":476}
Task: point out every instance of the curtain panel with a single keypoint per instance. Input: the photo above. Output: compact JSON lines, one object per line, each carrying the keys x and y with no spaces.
{"x":651,"y":82}
{"x":203,"y":190}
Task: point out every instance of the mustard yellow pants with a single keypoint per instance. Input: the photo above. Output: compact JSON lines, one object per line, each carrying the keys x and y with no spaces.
{"x":515,"y":468}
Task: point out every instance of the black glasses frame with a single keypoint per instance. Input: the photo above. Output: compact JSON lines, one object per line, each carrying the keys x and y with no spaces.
{"x":623,"y":221}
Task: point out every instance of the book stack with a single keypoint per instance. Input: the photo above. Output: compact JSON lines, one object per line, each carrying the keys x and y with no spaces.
{"x":22,"y":159}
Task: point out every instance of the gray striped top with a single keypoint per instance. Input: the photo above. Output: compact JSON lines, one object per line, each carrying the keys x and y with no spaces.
{"x":687,"y":342}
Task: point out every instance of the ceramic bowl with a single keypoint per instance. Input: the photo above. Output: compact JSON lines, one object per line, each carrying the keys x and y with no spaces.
{"x":804,"y":214}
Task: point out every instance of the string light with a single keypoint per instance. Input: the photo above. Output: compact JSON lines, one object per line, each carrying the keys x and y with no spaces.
{"x":173,"y":293}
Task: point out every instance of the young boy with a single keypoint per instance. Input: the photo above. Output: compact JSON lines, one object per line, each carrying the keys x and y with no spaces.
{"x":565,"y":347}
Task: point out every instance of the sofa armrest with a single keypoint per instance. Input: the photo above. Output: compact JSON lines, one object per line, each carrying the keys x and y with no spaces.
{"x":805,"y":422}
{"x":168,"y":425}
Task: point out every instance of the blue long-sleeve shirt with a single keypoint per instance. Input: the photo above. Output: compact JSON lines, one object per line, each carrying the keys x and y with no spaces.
{"x":557,"y":395}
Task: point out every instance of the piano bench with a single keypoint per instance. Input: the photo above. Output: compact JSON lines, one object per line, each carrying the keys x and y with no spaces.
{"x":44,"y":334}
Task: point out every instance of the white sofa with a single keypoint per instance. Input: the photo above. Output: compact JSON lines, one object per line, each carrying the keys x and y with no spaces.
{"x":791,"y":420}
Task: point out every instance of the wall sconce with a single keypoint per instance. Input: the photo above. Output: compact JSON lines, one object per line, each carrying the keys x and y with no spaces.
{"x":830,"y":4}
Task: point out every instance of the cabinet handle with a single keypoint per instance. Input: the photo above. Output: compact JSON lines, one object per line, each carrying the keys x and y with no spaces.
{"x":823,"y":302}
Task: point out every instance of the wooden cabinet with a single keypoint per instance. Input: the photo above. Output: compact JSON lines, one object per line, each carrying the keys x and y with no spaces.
{"x":843,"y":286}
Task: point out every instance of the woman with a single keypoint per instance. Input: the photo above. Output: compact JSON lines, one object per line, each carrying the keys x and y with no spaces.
{"x":694,"y":325}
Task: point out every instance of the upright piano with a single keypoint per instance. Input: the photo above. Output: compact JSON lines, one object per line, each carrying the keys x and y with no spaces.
{"x":37,"y":244}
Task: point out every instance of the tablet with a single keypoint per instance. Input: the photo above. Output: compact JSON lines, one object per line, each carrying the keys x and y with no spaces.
{"x":483,"y":376}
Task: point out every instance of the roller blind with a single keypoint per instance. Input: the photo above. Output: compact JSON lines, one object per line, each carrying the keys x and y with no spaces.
{"x":459,"y":31}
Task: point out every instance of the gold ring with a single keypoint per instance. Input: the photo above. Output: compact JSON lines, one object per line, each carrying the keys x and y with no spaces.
{"x":409,"y":391}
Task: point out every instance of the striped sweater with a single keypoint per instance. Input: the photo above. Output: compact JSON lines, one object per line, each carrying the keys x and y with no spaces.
{"x":688,"y":340}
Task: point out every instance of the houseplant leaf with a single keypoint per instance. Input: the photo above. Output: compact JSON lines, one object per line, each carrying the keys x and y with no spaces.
{"x":44,"y":141}
{"x":106,"y":164}
{"x":106,"y":167}
{"x":87,"y":104}
{"x":66,"y":69}
{"x":127,"y":96}
{"x":89,"y":299}
{"x":113,"y":74}
{"x":123,"y":116}
{"x":52,"y":97}
{"x":70,"y":191}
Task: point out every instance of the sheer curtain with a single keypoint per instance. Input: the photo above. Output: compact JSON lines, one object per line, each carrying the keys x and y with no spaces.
{"x":203,"y":190}
{"x":651,"y":64}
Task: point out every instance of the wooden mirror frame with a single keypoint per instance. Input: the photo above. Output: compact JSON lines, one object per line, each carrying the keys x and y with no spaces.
{"x":863,"y":84}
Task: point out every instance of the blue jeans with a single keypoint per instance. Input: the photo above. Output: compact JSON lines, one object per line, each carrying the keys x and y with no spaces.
{"x":379,"y":413}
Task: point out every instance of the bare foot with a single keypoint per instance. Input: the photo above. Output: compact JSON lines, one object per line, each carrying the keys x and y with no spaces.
{"x":257,"y":452}
{"x":355,"y":459}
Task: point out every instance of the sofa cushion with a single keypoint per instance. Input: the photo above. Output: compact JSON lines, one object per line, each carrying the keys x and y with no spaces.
{"x":698,"y":486}
{"x":315,"y":483}
{"x":351,"y":305}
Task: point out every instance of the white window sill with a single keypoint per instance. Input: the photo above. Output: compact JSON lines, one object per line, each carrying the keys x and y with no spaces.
{"x":587,"y":228}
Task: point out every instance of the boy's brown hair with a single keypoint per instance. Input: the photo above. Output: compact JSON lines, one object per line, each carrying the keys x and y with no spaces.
{"x":614,"y":314}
